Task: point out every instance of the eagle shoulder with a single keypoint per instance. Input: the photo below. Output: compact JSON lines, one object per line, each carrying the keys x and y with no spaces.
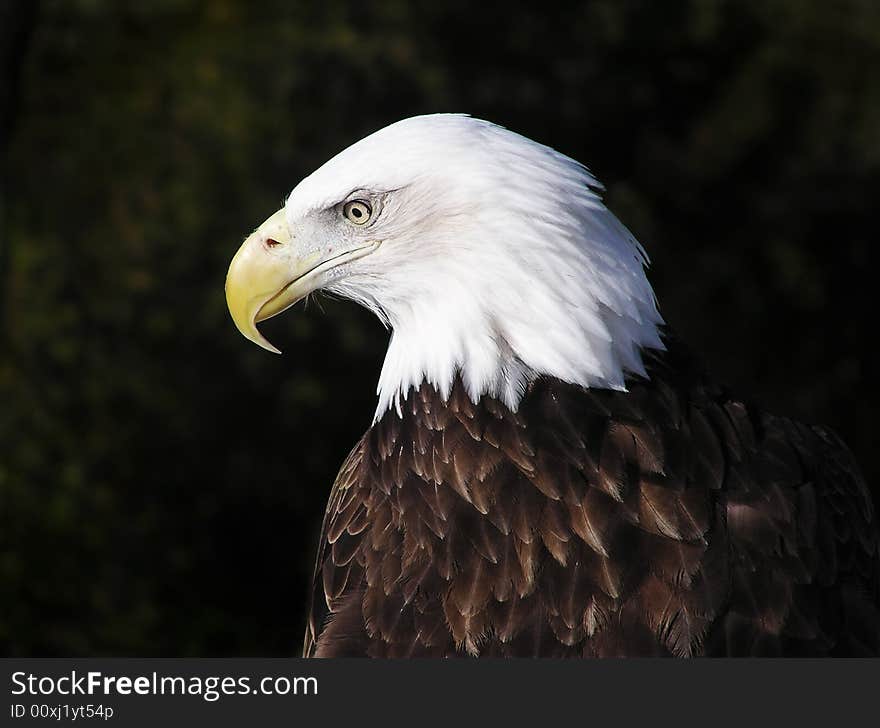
{"x":670,"y":519}
{"x":336,"y":569}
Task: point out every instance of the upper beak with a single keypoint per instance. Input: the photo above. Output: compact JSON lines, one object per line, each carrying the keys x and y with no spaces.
{"x":271,"y":272}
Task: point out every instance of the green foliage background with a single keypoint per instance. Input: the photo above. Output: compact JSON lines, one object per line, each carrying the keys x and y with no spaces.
{"x":162,"y":480}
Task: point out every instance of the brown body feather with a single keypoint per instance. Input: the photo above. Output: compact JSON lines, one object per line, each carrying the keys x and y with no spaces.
{"x":671,"y":519}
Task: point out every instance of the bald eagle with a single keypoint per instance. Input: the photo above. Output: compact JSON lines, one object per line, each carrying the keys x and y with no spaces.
{"x":549,"y":472}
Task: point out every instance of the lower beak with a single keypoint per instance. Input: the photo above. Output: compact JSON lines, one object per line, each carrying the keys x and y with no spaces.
{"x":268,"y":275}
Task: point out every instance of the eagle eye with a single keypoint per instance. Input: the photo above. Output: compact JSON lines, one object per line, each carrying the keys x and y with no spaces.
{"x":357,"y":212}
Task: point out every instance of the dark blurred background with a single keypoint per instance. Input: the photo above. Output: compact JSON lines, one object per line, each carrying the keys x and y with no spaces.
{"x":162,"y":480}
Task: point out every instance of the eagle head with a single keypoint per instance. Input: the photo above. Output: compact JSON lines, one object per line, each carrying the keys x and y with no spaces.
{"x":489,"y":256}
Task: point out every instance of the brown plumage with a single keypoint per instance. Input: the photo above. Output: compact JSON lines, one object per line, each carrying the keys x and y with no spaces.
{"x":671,"y":520}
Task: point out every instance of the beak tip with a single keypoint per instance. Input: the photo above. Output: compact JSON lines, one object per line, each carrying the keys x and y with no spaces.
{"x":254,"y":335}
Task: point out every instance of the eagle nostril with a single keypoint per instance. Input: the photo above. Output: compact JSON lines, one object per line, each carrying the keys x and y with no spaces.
{"x":272,"y":243}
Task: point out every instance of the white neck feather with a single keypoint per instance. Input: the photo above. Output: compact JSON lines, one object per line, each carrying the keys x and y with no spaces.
{"x":577,"y":313}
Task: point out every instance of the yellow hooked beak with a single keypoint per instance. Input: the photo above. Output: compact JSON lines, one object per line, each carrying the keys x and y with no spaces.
{"x":271,"y":272}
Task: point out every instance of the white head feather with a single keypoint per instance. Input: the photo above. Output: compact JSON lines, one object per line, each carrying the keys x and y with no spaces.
{"x":498,"y":261}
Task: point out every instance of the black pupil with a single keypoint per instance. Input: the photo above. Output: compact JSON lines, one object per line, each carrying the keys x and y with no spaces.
{"x":356,"y":211}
